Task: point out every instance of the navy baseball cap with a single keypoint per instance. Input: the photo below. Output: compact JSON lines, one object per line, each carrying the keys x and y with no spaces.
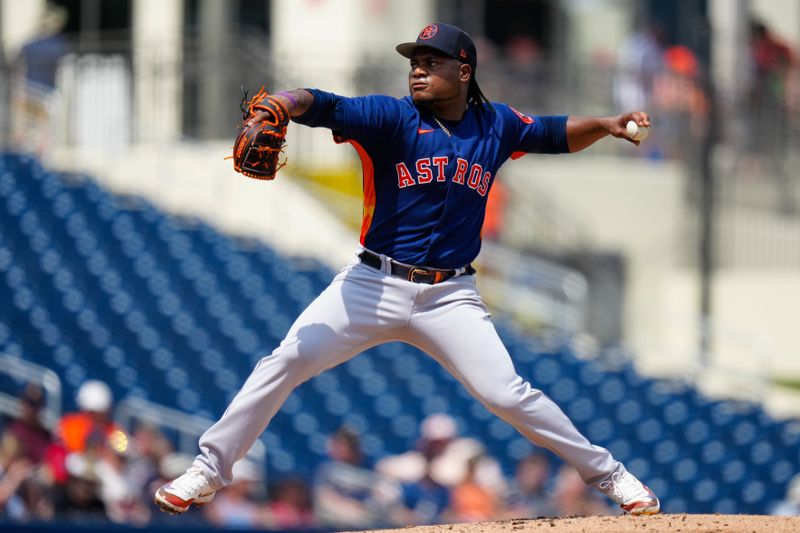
{"x":448,"y":39}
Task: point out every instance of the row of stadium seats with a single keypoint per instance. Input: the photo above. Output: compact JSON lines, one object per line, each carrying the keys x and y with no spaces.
{"x":107,"y":287}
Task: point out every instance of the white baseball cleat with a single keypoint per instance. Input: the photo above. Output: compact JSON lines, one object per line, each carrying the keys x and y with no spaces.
{"x":631,"y":495}
{"x":177,"y":496}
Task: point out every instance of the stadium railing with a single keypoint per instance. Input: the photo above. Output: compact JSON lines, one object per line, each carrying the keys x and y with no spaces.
{"x":23,"y":372}
{"x":132,"y":411}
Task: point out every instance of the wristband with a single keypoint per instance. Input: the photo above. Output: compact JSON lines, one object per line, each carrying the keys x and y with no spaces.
{"x":292,"y":98}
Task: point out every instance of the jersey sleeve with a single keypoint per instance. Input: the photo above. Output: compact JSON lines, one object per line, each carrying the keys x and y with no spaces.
{"x":363,"y":117}
{"x":533,"y":134}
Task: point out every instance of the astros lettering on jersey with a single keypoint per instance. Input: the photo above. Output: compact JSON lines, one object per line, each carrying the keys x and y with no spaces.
{"x":426,"y":183}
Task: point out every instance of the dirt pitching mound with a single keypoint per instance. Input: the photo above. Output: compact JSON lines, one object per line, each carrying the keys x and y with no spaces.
{"x":688,"y":523}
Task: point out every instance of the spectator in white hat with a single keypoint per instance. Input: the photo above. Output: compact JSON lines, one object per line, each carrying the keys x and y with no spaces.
{"x":92,"y":424}
{"x":441,"y":450}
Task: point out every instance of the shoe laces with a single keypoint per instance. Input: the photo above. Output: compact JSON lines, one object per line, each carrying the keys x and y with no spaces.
{"x":193,"y":482}
{"x":621,"y":484}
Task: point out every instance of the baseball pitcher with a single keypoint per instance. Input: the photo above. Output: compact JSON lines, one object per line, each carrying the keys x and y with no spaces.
{"x":429,"y":161}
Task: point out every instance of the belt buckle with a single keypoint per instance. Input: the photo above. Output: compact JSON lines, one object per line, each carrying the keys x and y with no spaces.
{"x":412,"y":274}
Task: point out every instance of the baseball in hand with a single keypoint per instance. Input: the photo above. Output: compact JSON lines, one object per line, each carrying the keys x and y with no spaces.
{"x":636,"y":132}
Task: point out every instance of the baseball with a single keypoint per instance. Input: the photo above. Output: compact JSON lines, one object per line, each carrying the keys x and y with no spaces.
{"x":635,"y":132}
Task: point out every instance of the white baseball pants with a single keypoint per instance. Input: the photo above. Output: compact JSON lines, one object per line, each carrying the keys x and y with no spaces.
{"x":364,"y":307}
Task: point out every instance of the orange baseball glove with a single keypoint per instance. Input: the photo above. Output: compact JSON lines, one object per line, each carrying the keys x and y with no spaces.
{"x":260,"y":142}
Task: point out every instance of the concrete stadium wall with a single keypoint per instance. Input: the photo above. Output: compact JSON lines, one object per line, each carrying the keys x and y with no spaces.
{"x":196,"y":180}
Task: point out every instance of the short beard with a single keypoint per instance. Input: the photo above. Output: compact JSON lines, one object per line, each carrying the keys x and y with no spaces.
{"x":423,"y":100}
{"x":429,"y":102}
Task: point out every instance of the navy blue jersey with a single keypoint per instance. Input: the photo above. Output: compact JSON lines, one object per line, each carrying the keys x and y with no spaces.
{"x":425,"y":183}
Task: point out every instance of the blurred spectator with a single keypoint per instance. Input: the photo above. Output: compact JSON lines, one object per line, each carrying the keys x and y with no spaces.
{"x":42,"y":53}
{"x":639,"y":59}
{"x":494,"y":220}
{"x":94,"y":452}
{"x":790,"y":505}
{"x":346,"y":494}
{"x":471,"y":501}
{"x":423,"y":502}
{"x":528,"y":497}
{"x":14,"y":470}
{"x":447,"y":454}
{"x":681,"y":60}
{"x":149,"y":447}
{"x":525,"y":78}
{"x":35,"y":99}
{"x":168,"y":468}
{"x":772,"y":61}
{"x":27,"y":439}
{"x":436,"y":433}
{"x":523,"y":51}
{"x":682,"y":105}
{"x":28,"y":428}
{"x":55,"y":464}
{"x":573,"y":497}
{"x":117,"y":489}
{"x":79,"y":500}
{"x":237,"y":505}
{"x":93,"y":422}
{"x":290,"y":505}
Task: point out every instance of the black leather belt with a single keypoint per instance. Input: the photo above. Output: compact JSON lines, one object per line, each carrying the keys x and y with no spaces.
{"x":416,"y":274}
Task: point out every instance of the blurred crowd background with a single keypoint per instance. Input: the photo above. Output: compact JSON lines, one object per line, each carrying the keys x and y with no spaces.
{"x":142,"y":278}
{"x":89,"y":471}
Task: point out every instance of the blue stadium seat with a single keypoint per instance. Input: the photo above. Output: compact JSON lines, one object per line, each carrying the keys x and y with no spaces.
{"x":781,"y":472}
{"x":734,"y":471}
{"x":713,"y":451}
{"x":666,"y":452}
{"x":744,"y":433}
{"x":564,"y":390}
{"x":725,"y":506}
{"x":650,"y":430}
{"x":640,"y":466}
{"x":676,"y":413}
{"x":696,"y":432}
{"x":705,"y":490}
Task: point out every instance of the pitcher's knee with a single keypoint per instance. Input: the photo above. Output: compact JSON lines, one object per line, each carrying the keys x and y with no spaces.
{"x":511,"y":398}
{"x":502,"y":403}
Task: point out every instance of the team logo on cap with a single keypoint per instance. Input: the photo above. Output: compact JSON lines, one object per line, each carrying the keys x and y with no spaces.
{"x":524,"y":118}
{"x":428,"y":31}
